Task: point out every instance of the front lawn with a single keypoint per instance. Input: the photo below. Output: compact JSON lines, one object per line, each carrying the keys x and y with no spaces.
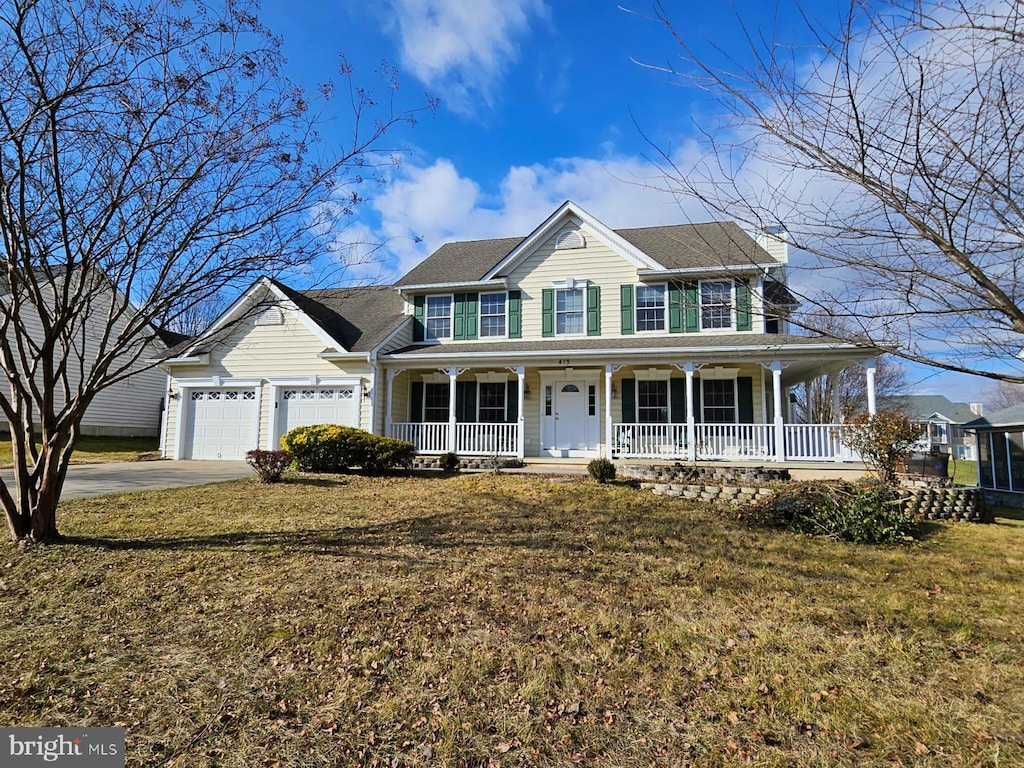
{"x":488,"y":619}
{"x":97,"y":450}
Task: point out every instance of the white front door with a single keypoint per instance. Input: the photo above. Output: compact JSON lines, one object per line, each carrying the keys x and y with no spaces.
{"x":571,"y":416}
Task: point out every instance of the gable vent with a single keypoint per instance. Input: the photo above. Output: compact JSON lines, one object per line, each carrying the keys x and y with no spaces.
{"x":570,"y":238}
{"x":271,"y":316}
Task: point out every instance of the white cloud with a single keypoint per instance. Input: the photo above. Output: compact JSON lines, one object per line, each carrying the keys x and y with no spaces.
{"x":460,"y":48}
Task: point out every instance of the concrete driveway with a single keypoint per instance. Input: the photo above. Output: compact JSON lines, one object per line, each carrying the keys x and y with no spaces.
{"x":127,"y":476}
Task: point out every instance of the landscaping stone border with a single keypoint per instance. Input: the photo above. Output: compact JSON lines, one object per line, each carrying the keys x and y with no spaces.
{"x":956,"y":504}
{"x":474,"y":462}
{"x":706,"y":475}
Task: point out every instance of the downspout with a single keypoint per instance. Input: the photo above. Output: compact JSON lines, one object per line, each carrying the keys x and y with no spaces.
{"x":374,"y":375}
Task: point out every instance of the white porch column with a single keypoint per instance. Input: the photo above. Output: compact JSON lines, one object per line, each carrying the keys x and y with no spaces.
{"x":521,"y":428}
{"x":453,"y":374}
{"x":869,"y":370}
{"x":780,"y":429}
{"x":691,"y":419}
{"x":609,"y":427}
{"x":389,"y":401}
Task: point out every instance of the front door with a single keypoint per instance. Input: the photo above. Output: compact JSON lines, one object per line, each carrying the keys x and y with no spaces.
{"x":571,"y":416}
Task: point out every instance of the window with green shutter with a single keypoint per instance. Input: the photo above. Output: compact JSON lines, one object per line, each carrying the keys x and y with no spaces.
{"x":691,"y":307}
{"x":626,"y":303}
{"x":743,"y":319}
{"x":515,"y":314}
{"x":419,"y":304}
{"x":547,"y":308}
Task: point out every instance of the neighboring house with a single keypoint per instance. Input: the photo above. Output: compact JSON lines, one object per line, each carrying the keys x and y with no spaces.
{"x":1001,"y":455}
{"x":130,"y":408}
{"x":943,"y":419}
{"x":574,"y":341}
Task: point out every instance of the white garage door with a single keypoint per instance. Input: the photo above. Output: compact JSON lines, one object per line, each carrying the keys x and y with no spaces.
{"x":221,"y":424}
{"x":301,"y":407}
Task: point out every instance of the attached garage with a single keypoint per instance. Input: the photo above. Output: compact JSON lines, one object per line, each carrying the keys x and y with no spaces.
{"x":302,"y":406}
{"x":220,"y":423}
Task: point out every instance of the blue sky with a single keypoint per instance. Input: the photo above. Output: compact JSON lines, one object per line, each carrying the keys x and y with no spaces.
{"x":540,"y":101}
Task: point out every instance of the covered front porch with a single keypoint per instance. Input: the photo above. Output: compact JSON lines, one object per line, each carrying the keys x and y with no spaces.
{"x":689,"y":411}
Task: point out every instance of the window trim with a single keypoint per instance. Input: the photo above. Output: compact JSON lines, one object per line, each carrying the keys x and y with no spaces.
{"x":481,"y":315}
{"x":580,"y":288}
{"x":732,"y":306}
{"x":637,"y":308}
{"x":427,"y":318}
{"x":664,"y":380}
{"x":504,"y":400}
{"x":446,"y":384}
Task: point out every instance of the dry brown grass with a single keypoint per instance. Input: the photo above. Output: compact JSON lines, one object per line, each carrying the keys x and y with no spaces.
{"x":97,"y":450}
{"x":489,"y":619}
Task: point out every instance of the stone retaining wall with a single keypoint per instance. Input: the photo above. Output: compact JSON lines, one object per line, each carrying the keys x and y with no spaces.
{"x":726,"y":494}
{"x":475,"y":462}
{"x":966,"y":504}
{"x":707,"y":475}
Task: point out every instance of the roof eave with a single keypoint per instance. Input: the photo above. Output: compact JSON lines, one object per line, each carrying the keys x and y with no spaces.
{"x":725,"y":269}
{"x":501,"y":283}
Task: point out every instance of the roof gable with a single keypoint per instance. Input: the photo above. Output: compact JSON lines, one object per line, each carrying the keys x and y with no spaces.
{"x":678,"y":247}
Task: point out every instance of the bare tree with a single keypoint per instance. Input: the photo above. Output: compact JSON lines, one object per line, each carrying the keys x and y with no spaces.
{"x":152,"y":157}
{"x":892,"y":149}
{"x":1005,"y":395}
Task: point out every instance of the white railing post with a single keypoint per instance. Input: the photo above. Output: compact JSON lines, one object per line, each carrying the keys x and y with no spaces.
{"x":453,"y":374}
{"x":389,"y":401}
{"x":780,"y":428}
{"x":691,"y":421}
{"x":869,"y":371}
{"x":521,"y":425}
{"x":608,"y":426}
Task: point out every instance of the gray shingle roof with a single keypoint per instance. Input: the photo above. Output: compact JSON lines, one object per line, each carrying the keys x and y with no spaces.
{"x":924,"y":406}
{"x":1008,"y":417}
{"x":681,"y":246}
{"x":359,"y":318}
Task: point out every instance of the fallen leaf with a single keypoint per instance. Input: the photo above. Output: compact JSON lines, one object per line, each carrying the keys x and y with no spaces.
{"x":734,"y":718}
{"x":921,"y":749}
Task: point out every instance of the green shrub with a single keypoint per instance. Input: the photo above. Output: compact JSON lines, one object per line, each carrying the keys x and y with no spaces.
{"x":863,"y":513}
{"x":268,"y":465}
{"x":602,"y":470}
{"x":449,"y":463}
{"x":336,"y":448}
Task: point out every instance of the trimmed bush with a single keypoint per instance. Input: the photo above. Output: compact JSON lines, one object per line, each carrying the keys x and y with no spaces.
{"x":449,"y":463}
{"x":336,"y":448}
{"x":602,"y":470}
{"x":268,"y":465}
{"x":863,"y":513}
{"x":883,"y":440}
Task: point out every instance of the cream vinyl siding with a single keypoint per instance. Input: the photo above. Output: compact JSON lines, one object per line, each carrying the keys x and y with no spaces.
{"x":596,"y":262}
{"x":130,"y":407}
{"x":285,"y":351}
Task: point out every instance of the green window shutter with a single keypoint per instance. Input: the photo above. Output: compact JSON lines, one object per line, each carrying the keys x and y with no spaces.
{"x":547,"y":308}
{"x":691,"y":307}
{"x":416,"y":401}
{"x":419,"y":312}
{"x":594,"y":310}
{"x":628,"y":387}
{"x":676,"y":311}
{"x":472,"y":313}
{"x":515,"y":314}
{"x":677,"y":400}
{"x":742,"y":306}
{"x":698,"y":414}
{"x":512,"y":401}
{"x":745,"y":399}
{"x":465,"y":401}
{"x":626,"y":303}
{"x":459,"y":317}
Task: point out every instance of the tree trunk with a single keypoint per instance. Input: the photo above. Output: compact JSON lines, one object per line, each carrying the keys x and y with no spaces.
{"x":33,"y":514}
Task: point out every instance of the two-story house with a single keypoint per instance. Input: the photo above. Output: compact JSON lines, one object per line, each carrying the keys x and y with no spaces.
{"x":575,"y":341}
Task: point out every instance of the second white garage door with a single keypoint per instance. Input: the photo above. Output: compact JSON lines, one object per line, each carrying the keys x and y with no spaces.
{"x":301,"y":407}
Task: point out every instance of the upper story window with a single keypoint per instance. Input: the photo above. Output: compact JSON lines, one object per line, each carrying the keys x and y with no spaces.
{"x":439,"y":317}
{"x":716,"y":303}
{"x":569,"y":311}
{"x":650,"y":308}
{"x":492,"y":314}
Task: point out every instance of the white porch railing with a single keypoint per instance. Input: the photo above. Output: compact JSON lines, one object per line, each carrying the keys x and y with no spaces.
{"x":428,"y":437}
{"x":802,"y":442}
{"x":817,"y":442}
{"x":471,"y":438}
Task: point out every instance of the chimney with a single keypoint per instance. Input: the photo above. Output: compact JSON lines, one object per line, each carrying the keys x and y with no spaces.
{"x":775,"y":240}
{"x":978,"y":409}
